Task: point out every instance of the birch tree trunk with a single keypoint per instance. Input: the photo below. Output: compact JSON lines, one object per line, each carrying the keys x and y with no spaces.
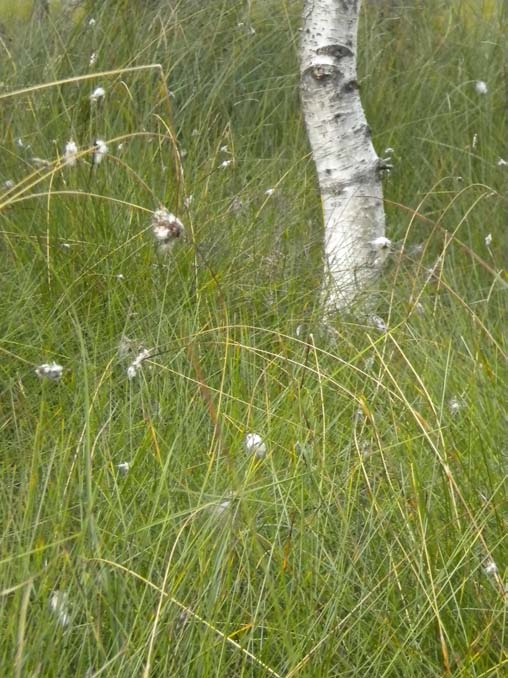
{"x":348,"y":168}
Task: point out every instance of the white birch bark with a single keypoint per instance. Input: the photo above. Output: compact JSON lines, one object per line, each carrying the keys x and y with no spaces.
{"x":348,"y":168}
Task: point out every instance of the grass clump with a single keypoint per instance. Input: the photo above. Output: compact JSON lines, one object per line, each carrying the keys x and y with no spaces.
{"x":365,"y":533}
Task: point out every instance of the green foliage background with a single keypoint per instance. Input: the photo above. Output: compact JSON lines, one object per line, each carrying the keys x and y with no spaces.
{"x":364,"y":542}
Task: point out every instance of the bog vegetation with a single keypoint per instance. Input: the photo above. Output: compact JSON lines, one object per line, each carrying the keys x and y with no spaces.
{"x":197,"y":477}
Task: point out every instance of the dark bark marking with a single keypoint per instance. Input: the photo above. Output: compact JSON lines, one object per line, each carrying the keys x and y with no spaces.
{"x":360,"y":176}
{"x":351,"y":86}
{"x":321,"y":71}
{"x":336,"y":51}
{"x":349,"y":5}
{"x":335,"y":189}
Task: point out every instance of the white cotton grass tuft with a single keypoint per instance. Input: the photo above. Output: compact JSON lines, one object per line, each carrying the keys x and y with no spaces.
{"x":490,"y":567}
{"x":380,"y":243}
{"x":369,"y":363}
{"x":225,"y":164}
{"x":100,"y":151}
{"x":247,"y":28}
{"x":382,"y":247}
{"x":269,"y":192}
{"x":123,"y":467}
{"x":8,"y":184}
{"x":488,"y":239}
{"x":132,"y":371}
{"x":481,"y":87}
{"x":40,"y":162}
{"x":98,"y":94}
{"x":502,"y":162}
{"x":135,"y":365}
{"x":59,"y":605}
{"x":70,"y":153}
{"x":222,"y":509}
{"x":166,"y":229}
{"x":254,"y":444}
{"x":93,"y":59}
{"x":455,"y":405}
{"x":378,"y":322}
{"x":51,"y":371}
{"x":219,"y":508}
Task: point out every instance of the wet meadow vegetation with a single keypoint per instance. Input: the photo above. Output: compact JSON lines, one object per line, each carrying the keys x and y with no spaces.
{"x":198,"y":476}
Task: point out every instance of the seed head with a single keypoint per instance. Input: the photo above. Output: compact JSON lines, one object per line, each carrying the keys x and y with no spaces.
{"x":254,"y":444}
{"x":97,"y":94}
{"x":132,"y":371}
{"x":100,"y":151}
{"x":166,"y":228}
{"x":378,"y":322}
{"x":40,"y":162}
{"x":59,"y":605}
{"x":70,"y":153}
{"x":490,"y":567}
{"x":51,"y":371}
{"x":455,"y":405}
{"x":481,"y":87}
{"x":220,"y":508}
{"x":381,"y":243}
{"x":135,"y":365}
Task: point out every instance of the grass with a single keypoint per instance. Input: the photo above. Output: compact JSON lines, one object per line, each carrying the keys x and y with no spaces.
{"x":364,"y":542}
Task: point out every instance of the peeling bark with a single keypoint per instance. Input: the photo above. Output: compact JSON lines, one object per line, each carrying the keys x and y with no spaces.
{"x":348,"y":168}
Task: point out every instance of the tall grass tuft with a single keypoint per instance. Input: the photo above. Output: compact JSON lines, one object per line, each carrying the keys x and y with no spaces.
{"x":216,"y":484}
